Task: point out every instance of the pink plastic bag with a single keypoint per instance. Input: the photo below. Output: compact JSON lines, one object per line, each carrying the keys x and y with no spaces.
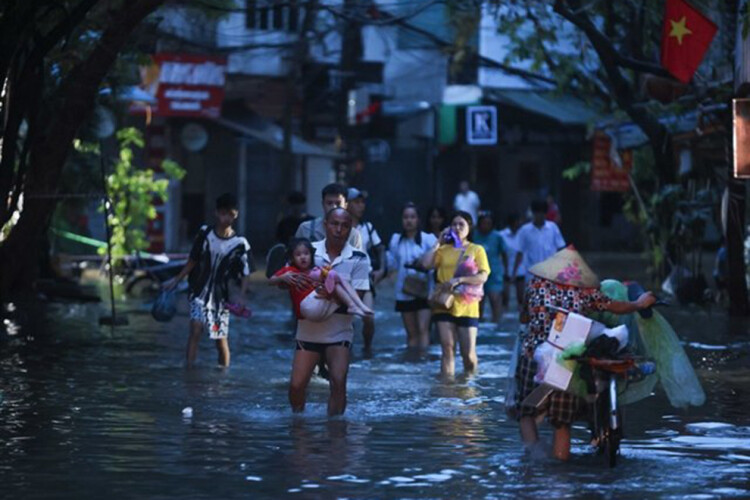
{"x":468,"y":293}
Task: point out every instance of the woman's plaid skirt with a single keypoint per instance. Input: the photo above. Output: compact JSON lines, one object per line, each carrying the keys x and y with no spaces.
{"x":561,"y":408}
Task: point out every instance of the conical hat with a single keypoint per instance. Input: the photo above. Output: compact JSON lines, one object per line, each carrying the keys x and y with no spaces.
{"x":566,"y":267}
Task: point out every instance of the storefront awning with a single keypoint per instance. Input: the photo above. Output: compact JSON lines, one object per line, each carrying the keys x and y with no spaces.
{"x":257,"y":127}
{"x":628,"y":135}
{"x":567,"y":110}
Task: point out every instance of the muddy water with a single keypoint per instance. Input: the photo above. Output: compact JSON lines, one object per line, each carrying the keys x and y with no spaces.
{"x":86,"y":412}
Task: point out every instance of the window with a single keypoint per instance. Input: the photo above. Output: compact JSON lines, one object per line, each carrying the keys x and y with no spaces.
{"x":277,"y":15}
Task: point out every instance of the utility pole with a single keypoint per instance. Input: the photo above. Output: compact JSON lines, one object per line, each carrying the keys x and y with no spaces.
{"x":298,"y":57}
{"x":351,"y":50}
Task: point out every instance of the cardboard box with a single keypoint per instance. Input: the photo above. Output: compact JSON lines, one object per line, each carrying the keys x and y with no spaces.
{"x":567,"y":329}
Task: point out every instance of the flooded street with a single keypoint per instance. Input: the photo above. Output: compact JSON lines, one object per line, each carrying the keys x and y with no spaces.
{"x":85,"y":412}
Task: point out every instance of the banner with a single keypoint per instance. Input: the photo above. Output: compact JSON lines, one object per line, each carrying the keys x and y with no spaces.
{"x":187,"y":85}
{"x":606,"y":175}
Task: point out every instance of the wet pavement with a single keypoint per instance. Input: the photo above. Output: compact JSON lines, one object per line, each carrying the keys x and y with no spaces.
{"x":86,"y":411}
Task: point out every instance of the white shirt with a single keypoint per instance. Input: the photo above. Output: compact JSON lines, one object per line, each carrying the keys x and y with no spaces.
{"x":370,"y":236}
{"x":402,"y":251}
{"x":468,"y":202}
{"x":538,"y":243}
{"x":352,"y":265}
{"x":511,"y":248}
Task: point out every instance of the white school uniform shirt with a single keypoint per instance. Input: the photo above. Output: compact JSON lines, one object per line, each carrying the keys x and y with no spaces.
{"x":468,"y":202}
{"x":538,"y":243}
{"x":402,"y":251}
{"x":511,"y":247}
{"x":352,"y":265}
{"x":369,"y":235}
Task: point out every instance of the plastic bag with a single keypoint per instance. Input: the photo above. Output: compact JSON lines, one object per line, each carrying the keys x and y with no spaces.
{"x":165,"y":306}
{"x":468,"y":294}
{"x":656,"y":339}
{"x":673,"y":367}
{"x":543,"y":356}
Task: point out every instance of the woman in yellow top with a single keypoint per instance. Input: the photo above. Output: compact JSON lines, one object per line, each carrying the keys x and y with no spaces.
{"x":460,"y":322}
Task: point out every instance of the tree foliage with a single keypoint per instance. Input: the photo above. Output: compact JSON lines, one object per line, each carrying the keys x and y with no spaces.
{"x":608,"y":54}
{"x":54,"y":58}
{"x":132,"y":192}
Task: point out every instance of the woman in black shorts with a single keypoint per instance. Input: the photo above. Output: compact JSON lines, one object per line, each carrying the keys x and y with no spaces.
{"x":412,"y":284}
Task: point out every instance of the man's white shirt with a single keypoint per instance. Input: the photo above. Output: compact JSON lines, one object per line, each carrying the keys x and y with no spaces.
{"x":468,"y":202}
{"x":538,"y":243}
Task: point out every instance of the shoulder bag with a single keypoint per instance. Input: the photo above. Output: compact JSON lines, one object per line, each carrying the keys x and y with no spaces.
{"x":442,"y":296}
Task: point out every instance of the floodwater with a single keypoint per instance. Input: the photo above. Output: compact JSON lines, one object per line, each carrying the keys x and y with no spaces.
{"x":86,"y":411}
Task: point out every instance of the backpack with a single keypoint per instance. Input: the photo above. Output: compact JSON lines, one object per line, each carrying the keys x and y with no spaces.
{"x":371,"y":252}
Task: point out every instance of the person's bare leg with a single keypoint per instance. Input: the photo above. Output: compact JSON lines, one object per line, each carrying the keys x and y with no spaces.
{"x":467,"y":342}
{"x":423,"y":321}
{"x":222,"y":348}
{"x":496,"y":302}
{"x":342,"y":297}
{"x":368,"y":321}
{"x":351,"y":300}
{"x":338,"y":369}
{"x":529,"y":432}
{"x":561,"y":446}
{"x":353,"y":295}
{"x":520,"y":291}
{"x":411,"y":327}
{"x":196,"y":331}
{"x":447,"y":332}
{"x":302,"y":369}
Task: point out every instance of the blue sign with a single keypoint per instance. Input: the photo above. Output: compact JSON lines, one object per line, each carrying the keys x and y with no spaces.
{"x":481,"y":125}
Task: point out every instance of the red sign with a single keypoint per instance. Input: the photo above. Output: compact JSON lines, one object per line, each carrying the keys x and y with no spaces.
{"x":605,"y":174}
{"x":184,"y":85}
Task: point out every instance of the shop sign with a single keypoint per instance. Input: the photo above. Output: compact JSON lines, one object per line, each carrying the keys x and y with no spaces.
{"x":606,"y":174}
{"x":376,"y":150}
{"x":481,"y":125}
{"x":186,"y":85}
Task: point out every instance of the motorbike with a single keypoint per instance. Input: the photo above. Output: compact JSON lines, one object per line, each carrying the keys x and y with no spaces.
{"x":144,"y":275}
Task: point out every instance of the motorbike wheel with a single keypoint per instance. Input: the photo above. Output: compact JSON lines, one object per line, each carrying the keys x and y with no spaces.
{"x":609,"y":439}
{"x":143,"y":287}
{"x":611,"y":447}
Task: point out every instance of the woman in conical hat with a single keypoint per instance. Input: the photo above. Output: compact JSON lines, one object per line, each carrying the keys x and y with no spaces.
{"x":562,"y":281}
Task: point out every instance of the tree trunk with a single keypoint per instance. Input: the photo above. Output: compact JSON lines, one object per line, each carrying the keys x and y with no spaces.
{"x":53,"y":143}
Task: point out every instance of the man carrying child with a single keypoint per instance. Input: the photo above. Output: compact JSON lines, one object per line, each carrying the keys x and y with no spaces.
{"x":333,"y":336}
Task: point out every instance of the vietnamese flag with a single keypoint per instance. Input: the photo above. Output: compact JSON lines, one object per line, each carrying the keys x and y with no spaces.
{"x":686,"y":35}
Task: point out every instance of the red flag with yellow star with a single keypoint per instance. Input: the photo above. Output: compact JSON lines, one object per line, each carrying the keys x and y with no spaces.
{"x":686,"y":35}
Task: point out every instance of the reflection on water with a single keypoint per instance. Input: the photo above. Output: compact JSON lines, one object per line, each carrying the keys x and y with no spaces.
{"x":86,"y":412}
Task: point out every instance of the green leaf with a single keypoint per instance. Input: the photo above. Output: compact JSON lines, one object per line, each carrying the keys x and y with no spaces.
{"x":576,"y":170}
